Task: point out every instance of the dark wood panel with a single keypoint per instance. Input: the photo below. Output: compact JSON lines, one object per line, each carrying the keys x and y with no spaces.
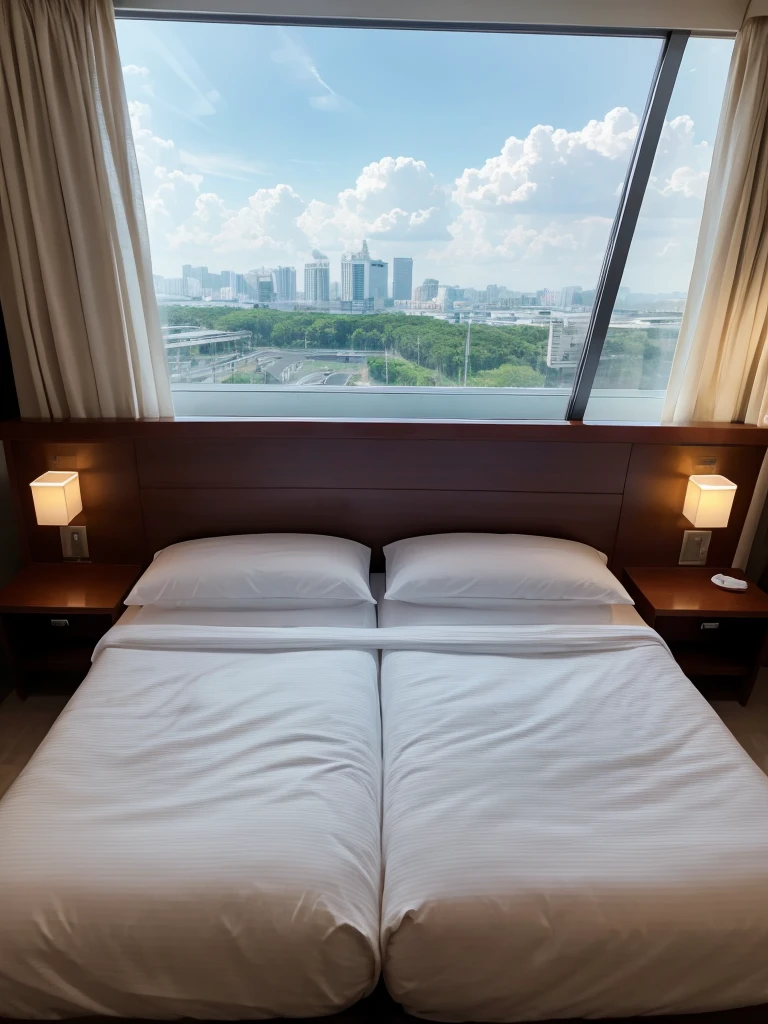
{"x":78,"y":588}
{"x":399,"y":430}
{"x":375,"y":517}
{"x":109,"y":486}
{"x":385,"y":464}
{"x":652,"y":523}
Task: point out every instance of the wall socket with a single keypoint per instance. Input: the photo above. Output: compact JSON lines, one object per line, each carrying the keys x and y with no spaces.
{"x":695,"y":547}
{"x":74,"y":542}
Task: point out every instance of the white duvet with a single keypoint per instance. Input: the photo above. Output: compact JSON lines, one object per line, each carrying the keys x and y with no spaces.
{"x":199,"y":835}
{"x":568,"y":830}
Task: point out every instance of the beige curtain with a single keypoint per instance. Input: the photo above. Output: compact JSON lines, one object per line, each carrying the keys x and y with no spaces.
{"x":720,"y":369}
{"x":75,"y":273}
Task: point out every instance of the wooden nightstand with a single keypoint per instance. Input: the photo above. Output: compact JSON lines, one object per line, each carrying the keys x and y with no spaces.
{"x":52,"y":616}
{"x":718,"y":637}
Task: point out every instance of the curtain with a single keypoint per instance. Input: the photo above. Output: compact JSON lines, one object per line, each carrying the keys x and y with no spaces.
{"x":75,"y":274}
{"x":720,"y":369}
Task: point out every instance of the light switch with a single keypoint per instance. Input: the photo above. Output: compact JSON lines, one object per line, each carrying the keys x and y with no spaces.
{"x":695,"y":547}
{"x":74,"y":542}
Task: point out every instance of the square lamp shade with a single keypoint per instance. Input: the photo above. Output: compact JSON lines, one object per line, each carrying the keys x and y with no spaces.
{"x":708,"y":501}
{"x":57,"y":498}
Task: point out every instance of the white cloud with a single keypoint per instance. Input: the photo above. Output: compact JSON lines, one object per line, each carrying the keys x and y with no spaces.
{"x":218,"y":165}
{"x":196,"y":96}
{"x":537,"y":213}
{"x":295,"y":58}
{"x":394,"y":199}
{"x":134,"y":71}
{"x":269,"y":223}
{"x":542,"y":208}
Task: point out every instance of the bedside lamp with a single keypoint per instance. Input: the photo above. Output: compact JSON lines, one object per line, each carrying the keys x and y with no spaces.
{"x":708,"y":504}
{"x":708,"y":501}
{"x":56,"y":496}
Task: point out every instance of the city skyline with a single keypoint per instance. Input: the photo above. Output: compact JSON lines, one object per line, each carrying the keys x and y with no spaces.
{"x":319,"y":287}
{"x":506,"y":172}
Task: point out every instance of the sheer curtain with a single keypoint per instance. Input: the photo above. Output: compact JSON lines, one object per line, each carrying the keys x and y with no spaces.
{"x":75,"y":273}
{"x":720,"y":369}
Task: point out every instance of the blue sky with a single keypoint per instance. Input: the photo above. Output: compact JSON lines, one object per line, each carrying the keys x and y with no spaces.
{"x":253,"y":141}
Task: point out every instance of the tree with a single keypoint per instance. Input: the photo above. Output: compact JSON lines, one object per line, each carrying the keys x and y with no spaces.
{"x":508,"y":375}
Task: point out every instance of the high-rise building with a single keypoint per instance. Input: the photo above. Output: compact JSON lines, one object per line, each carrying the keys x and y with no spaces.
{"x":567,"y":294}
{"x":265,"y":288}
{"x":356,"y":275}
{"x":427,"y":291}
{"x":402,"y":277}
{"x":169,"y":286}
{"x":285,"y":283}
{"x":492,"y":293}
{"x":317,"y":279}
{"x":232,"y":285}
{"x":192,"y":287}
{"x":335,"y":291}
{"x":379,"y":282}
{"x":446,"y":296}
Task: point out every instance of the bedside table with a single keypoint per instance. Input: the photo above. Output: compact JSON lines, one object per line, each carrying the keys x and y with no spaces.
{"x":52,"y":616}
{"x":718,"y":637}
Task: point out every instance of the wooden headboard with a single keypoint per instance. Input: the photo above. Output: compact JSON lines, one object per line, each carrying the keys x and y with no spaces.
{"x":146,"y":485}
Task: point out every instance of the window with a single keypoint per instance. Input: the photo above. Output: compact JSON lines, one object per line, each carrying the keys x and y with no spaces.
{"x":409,"y":223}
{"x":636,"y":360}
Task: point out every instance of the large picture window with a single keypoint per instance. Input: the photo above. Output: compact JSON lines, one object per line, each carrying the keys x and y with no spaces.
{"x":394,"y":222}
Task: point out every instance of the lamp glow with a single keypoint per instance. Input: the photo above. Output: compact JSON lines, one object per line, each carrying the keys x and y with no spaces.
{"x":57,"y":498}
{"x":708,"y":501}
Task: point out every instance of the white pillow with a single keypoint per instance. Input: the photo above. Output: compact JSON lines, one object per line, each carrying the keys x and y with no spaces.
{"x":256,"y":571}
{"x":491,"y":569}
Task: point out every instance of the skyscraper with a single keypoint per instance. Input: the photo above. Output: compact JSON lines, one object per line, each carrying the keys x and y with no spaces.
{"x":427,"y":291}
{"x":285,"y":283}
{"x":356,"y":275}
{"x":317,"y":278}
{"x":379,"y":282}
{"x":265,"y":288}
{"x":402,"y":277}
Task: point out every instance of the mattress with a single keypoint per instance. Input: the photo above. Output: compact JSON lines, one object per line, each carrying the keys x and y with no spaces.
{"x":569,"y":830}
{"x":199,"y":834}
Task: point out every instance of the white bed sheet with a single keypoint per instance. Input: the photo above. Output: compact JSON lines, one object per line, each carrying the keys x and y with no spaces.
{"x":568,"y":830}
{"x":198,"y":836}
{"x":517,"y":613}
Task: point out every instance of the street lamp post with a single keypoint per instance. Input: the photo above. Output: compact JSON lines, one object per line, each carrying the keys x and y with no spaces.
{"x":466,"y":350}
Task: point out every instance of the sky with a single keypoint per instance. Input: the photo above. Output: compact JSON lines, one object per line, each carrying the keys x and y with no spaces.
{"x":486,"y":157}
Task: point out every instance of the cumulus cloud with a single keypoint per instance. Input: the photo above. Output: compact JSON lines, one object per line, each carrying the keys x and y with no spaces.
{"x":134,"y":71}
{"x":545,"y":203}
{"x":269,"y":223}
{"x":394,"y":199}
{"x":537,"y":212}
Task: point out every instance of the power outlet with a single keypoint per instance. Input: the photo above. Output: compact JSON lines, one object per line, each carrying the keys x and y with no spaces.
{"x":74,"y":542}
{"x":695,"y":547}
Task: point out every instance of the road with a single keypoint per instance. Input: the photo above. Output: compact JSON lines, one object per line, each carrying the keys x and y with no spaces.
{"x":338,"y":379}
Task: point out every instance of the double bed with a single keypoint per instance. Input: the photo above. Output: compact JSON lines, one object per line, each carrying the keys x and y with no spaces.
{"x":558,"y":825}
